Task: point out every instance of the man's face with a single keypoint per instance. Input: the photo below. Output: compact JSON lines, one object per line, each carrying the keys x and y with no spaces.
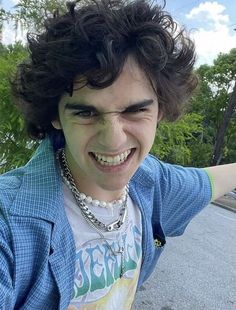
{"x":105,"y":149}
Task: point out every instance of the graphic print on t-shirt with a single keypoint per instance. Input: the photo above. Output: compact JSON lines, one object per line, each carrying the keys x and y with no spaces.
{"x":98,"y":266}
{"x":97,"y":279}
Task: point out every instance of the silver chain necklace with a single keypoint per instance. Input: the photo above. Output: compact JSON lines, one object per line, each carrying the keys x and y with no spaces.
{"x":87,"y":213}
{"x":89,"y":216}
{"x":121,"y":250}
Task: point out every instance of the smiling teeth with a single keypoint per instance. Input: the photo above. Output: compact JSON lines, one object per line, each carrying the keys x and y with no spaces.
{"x":112,"y":160}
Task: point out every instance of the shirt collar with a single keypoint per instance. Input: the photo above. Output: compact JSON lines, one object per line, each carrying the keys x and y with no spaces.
{"x":40,"y":194}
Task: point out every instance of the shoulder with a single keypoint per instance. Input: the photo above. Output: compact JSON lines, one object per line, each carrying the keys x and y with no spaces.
{"x":157,"y":169}
{"x":152,"y":173}
{"x":35,"y":189}
{"x":170,"y":176}
{"x":151,"y":165}
{"x":11,"y":179}
{"x":27,"y":176}
{"x":10,"y":184}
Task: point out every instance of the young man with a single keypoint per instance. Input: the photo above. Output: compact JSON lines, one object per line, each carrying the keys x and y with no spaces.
{"x":84,"y":222}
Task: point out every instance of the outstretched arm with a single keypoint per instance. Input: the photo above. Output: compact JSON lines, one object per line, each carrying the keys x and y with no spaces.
{"x":223,"y":179}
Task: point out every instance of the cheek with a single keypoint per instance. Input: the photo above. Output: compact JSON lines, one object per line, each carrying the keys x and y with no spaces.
{"x":77,"y":138}
{"x":149,"y":133}
{"x":144,"y":134}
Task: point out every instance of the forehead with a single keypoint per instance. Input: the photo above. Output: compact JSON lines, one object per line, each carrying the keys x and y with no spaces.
{"x":131,"y":86}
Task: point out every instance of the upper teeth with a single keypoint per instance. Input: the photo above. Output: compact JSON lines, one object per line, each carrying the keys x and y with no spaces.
{"x":112,"y":159}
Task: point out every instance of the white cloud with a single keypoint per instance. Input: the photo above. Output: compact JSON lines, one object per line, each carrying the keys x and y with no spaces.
{"x":211,"y":11}
{"x":10,"y":35}
{"x":14,"y":2}
{"x":210,"y":43}
{"x":215,"y":37}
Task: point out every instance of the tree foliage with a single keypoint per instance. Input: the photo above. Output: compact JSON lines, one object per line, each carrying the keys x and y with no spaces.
{"x":15,"y":146}
{"x":30,"y":14}
{"x":173,"y":140}
{"x":189,"y":141}
{"x":212,"y":102}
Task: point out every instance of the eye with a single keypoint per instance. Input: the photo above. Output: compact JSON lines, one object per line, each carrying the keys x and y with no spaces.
{"x":85,"y":114}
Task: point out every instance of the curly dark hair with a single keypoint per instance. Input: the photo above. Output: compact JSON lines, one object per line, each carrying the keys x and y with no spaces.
{"x":93,"y":40}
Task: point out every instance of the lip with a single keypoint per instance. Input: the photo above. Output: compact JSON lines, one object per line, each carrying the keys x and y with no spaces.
{"x":113,"y":169}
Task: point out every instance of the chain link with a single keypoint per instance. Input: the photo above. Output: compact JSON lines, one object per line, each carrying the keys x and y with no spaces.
{"x":87,"y":213}
{"x":89,"y":216}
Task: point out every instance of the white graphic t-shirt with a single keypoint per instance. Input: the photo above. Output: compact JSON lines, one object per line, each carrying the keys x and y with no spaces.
{"x":98,"y":284}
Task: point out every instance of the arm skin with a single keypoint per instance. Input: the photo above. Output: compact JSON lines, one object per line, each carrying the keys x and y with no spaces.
{"x":223,"y":178}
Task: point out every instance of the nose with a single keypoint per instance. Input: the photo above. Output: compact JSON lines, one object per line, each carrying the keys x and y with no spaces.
{"x":111,"y":135}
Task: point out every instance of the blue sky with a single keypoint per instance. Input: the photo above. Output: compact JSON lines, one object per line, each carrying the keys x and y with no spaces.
{"x":211,"y":25}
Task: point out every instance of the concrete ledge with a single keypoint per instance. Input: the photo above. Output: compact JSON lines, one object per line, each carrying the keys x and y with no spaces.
{"x":219,"y":204}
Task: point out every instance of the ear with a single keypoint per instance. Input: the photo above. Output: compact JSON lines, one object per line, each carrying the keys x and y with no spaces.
{"x":56,"y":124}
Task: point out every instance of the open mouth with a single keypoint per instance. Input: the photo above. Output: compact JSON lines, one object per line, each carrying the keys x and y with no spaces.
{"x":112,"y":160}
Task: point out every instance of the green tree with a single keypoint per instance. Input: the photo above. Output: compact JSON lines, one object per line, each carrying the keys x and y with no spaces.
{"x":30,"y":14}
{"x":212,"y":101}
{"x":15,"y":146}
{"x":1,"y":24}
{"x":189,"y":141}
{"x":173,"y":140}
{"x":227,"y":63}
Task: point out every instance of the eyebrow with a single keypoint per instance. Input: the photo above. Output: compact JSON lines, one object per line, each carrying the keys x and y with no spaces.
{"x":84,"y":106}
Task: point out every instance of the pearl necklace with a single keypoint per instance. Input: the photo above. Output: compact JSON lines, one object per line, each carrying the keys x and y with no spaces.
{"x":86,"y":212}
{"x":103,"y":204}
{"x":100,"y":203}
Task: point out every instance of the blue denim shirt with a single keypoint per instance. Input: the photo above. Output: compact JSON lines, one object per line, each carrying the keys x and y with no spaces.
{"x":37,"y":250}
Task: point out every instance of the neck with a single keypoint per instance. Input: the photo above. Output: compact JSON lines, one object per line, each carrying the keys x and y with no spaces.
{"x":101,"y":194}
{"x":102,"y":191}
